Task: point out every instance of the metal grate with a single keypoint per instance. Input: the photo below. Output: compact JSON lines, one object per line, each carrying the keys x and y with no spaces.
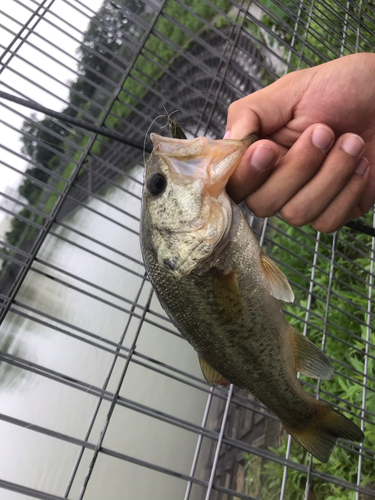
{"x":100,"y":396}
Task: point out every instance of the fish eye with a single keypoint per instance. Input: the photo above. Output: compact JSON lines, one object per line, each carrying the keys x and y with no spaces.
{"x":157,"y":184}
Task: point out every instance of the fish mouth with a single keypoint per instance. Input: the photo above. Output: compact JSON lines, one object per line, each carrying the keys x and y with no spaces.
{"x":214,"y":161}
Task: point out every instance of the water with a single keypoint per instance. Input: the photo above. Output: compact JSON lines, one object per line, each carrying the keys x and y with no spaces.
{"x":44,"y":462}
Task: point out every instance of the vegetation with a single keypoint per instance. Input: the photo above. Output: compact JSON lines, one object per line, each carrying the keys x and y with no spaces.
{"x":346,"y":329}
{"x":345,"y":343}
{"x":321,"y":35}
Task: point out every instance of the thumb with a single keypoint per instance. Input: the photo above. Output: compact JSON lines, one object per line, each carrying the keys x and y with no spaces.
{"x":262,"y":112}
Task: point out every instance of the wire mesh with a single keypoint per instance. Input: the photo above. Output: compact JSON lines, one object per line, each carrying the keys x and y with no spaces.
{"x":101,"y":397}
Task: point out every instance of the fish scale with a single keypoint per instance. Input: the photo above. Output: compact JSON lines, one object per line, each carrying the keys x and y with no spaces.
{"x":223,"y":293}
{"x":225,"y":347}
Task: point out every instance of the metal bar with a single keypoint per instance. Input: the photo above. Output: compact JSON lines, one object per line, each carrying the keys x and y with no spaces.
{"x":66,"y":85}
{"x":229,"y":441}
{"x":59,"y":49}
{"x":104,"y":387}
{"x":77,"y":40}
{"x":344,"y":30}
{"x":92,"y":70}
{"x":73,"y":121}
{"x":295,"y":32}
{"x":30,"y":492}
{"x":97,"y":212}
{"x":334,"y":240}
{"x":219,"y":443}
{"x":114,"y":399}
{"x":199,"y":444}
{"x":125,"y":39}
{"x":307,"y":316}
{"x":282,"y":33}
{"x":121,"y":172}
{"x":24,"y":27}
{"x":110,"y":182}
{"x":60,"y":154}
{"x":365,"y":377}
{"x":196,"y":383}
{"x":98,"y":242}
{"x":228,"y":61}
{"x":59,"y":202}
{"x":101,"y":89}
{"x":305,"y":34}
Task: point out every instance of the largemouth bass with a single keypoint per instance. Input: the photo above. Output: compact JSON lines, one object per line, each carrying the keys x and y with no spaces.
{"x":222,"y":292}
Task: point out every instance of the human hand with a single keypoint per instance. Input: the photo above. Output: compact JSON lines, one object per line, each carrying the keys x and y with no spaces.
{"x":315,"y":160}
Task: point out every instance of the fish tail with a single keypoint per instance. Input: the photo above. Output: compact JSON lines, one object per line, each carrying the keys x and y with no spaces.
{"x":320,"y":435}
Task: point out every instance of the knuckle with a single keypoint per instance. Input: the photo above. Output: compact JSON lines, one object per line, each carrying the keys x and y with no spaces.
{"x":324,"y":226}
{"x":295,"y":216}
{"x":233,"y":107}
{"x":356,"y":186}
{"x":260,"y":210}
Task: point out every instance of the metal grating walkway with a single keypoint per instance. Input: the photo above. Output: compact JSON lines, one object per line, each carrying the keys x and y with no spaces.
{"x":100,"y":396}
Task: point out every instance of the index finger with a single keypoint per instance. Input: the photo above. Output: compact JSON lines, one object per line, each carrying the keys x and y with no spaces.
{"x":255,"y":166}
{"x":262,"y":112}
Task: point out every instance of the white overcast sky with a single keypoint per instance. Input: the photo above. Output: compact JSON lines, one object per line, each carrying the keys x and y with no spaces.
{"x":21,"y":76}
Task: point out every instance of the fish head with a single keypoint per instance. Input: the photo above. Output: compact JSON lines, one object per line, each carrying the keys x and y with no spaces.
{"x":185,"y":204}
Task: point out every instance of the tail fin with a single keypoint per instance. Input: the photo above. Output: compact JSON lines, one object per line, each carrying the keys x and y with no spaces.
{"x":320,"y":435}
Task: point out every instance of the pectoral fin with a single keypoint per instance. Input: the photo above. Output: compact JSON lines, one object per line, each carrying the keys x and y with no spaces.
{"x":211,"y":375}
{"x":309,"y":359}
{"x":277,"y":281}
{"x":228,"y":296}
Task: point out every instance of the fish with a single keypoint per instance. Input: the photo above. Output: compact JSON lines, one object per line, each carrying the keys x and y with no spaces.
{"x":224,"y":294}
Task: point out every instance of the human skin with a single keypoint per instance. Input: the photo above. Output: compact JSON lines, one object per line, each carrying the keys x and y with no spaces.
{"x":315,"y":160}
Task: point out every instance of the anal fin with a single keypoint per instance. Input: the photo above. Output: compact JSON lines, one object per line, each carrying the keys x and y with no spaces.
{"x":309,"y":359}
{"x":277,"y":281}
{"x":210,"y":374}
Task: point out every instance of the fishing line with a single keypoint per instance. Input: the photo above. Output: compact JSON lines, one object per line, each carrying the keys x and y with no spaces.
{"x":146,"y":134}
{"x":168,"y":116}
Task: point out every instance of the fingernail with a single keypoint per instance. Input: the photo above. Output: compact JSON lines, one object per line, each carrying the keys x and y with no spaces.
{"x":227,"y":135}
{"x":362,"y":166}
{"x":322,"y":138}
{"x":262,"y":157}
{"x":353,"y":144}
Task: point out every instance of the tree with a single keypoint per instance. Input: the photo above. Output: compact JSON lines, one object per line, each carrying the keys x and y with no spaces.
{"x":106,"y":40}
